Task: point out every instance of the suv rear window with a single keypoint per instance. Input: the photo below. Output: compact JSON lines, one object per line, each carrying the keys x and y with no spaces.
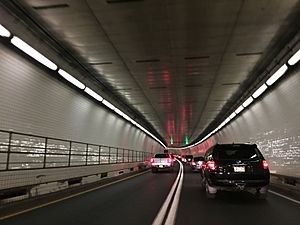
{"x":161,"y":156}
{"x":235,"y":152}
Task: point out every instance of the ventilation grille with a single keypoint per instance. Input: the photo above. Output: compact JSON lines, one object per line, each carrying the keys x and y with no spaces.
{"x":147,"y":60}
{"x":249,"y":53}
{"x":56,"y":6}
{"x":122,"y":1}
{"x":196,"y":57}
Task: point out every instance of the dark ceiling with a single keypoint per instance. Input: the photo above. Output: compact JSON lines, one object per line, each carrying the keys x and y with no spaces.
{"x":178,"y":66}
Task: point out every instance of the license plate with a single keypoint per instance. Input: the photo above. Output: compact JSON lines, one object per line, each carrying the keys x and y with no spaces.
{"x":239,"y":169}
{"x":160,"y":166}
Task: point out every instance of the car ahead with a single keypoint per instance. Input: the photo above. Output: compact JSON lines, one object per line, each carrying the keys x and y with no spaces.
{"x":187,"y":158}
{"x":197,"y":163}
{"x":235,"y":167}
{"x":162,"y":161}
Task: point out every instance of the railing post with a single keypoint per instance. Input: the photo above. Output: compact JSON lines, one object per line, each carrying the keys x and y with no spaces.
{"x":45,"y":152}
{"x":70,"y":151}
{"x":99,"y":156}
{"x":108,"y":155}
{"x":86,"y":154}
{"x":123,"y":160}
{"x":117,"y":155}
{"x":8,"y":150}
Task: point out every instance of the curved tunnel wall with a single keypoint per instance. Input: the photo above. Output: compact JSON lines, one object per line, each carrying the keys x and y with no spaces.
{"x":273,"y":123}
{"x":32,"y":101}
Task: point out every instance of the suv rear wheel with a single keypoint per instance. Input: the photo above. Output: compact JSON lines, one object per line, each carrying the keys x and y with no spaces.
{"x":210,"y":191}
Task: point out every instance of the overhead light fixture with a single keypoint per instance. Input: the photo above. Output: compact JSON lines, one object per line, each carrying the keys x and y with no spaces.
{"x":259,"y":91}
{"x":277,"y":75}
{"x":232,"y":115}
{"x":294,"y":59}
{"x":71,"y":79}
{"x":239,"y":109}
{"x":4,"y":32}
{"x":108,"y":104}
{"x":118,"y":111}
{"x":227,"y":120}
{"x":93,"y":94}
{"x":23,"y":46}
{"x":248,"y":102}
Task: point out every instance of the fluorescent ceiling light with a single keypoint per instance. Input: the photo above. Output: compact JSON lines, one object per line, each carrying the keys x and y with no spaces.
{"x":108,"y":104}
{"x":118,"y":111}
{"x":227,"y":120}
{"x":20,"y":44}
{"x":239,"y":109}
{"x":259,"y":91}
{"x":294,"y":59}
{"x":277,"y":75}
{"x":71,"y":79}
{"x":93,"y":94}
{"x":4,"y":32}
{"x":232,"y":115}
{"x":248,"y":102}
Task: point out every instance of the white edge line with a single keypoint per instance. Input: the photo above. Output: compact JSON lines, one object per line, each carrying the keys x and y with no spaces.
{"x":173,"y":211}
{"x":283,"y":196}
{"x":163,"y":210}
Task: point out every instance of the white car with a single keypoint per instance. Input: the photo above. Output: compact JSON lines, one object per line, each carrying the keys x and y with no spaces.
{"x":162,"y":161}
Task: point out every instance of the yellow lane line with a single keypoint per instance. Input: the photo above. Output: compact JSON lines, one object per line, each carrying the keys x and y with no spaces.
{"x":70,"y":196}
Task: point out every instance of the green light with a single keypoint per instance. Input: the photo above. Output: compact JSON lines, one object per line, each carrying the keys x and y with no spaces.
{"x":171,"y":141}
{"x":186,"y":140}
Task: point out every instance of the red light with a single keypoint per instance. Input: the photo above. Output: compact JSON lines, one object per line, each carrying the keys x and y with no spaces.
{"x":265,"y":165}
{"x":211,"y":165}
{"x":152,"y":160}
{"x":193,"y":163}
{"x":169,"y":160}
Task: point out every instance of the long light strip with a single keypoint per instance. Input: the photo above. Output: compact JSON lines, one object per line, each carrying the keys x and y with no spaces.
{"x":108,"y":104}
{"x":4,"y":32}
{"x":232,"y":115}
{"x":93,"y":94}
{"x":19,"y":43}
{"x":248,"y":102}
{"x":71,"y":79}
{"x":277,"y":75}
{"x":259,"y":91}
{"x":294,"y":59}
{"x":239,"y":109}
{"x":23,"y":46}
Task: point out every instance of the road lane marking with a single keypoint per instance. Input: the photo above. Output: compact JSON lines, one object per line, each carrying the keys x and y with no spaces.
{"x":173,"y":210}
{"x":70,"y":196}
{"x":163,"y":210}
{"x":283,"y":196}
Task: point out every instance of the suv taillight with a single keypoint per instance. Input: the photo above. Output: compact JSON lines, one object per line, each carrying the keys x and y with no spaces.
{"x":211,"y":165}
{"x":169,"y":160}
{"x":152,"y":160}
{"x":265,"y":165}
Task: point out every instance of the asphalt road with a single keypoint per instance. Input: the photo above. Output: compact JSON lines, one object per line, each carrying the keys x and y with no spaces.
{"x":138,"y":201}
{"x":232,"y":208}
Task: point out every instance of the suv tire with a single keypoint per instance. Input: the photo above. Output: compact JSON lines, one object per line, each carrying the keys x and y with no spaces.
{"x":210,"y":192}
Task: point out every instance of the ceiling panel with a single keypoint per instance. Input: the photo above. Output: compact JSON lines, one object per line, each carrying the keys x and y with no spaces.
{"x":177,"y":62}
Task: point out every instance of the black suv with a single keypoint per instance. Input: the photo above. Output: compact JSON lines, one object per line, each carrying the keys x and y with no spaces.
{"x":235,"y":167}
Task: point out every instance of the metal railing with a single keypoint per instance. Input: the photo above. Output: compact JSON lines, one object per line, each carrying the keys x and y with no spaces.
{"x":20,"y":151}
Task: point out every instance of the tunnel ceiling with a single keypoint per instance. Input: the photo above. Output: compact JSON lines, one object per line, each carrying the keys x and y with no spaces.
{"x":180,"y":64}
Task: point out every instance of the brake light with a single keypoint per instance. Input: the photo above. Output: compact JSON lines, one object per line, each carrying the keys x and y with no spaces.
{"x":265,"y":165}
{"x":169,"y":160}
{"x":211,"y":165}
{"x":193,"y":163}
{"x":151,"y":160}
